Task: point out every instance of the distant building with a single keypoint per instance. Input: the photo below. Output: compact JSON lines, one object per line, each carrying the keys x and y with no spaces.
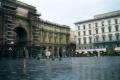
{"x":72,"y":43}
{"x":99,"y":34}
{"x":72,"y":36}
{"x":24,"y":34}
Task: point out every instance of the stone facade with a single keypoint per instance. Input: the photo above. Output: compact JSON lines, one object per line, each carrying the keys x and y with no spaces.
{"x":99,"y":34}
{"x":24,"y":34}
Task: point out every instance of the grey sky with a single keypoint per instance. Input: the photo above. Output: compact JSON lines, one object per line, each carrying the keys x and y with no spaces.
{"x":69,"y":11}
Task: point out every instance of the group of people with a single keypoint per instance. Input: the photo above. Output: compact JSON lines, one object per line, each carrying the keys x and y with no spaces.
{"x":48,"y":54}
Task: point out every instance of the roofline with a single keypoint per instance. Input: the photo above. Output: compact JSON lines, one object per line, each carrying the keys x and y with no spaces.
{"x":51,"y":23}
{"x":25,"y":5}
{"x":79,"y":22}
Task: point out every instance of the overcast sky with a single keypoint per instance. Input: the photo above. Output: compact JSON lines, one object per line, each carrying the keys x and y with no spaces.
{"x":70,"y":11}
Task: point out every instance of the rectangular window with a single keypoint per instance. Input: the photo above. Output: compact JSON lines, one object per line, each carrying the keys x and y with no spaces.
{"x":110,"y":37}
{"x":96,"y":24}
{"x":96,"y":31}
{"x":79,"y":40}
{"x":83,"y":26}
{"x":117,"y":36}
{"x":84,"y":33}
{"x":103,"y":37}
{"x":109,"y":22}
{"x":116,"y":21}
{"x":97,"y":38}
{"x":78,"y":27}
{"x":89,"y":25}
{"x":103,"y":30}
{"x":89,"y":32}
{"x":78,"y":33}
{"x":90,"y":39}
{"x":102,"y":23}
{"x":116,"y":27}
{"x":109,"y":28}
{"x":84,"y":40}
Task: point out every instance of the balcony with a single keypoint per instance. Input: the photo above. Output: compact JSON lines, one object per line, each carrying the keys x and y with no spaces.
{"x":9,"y":39}
{"x":9,"y":11}
{"x":8,"y":17}
{"x":7,"y":5}
{"x":9,"y":28}
{"x":10,"y":24}
{"x":9,"y":20}
{"x":35,"y":33}
{"x":9,"y":32}
{"x":35,"y":36}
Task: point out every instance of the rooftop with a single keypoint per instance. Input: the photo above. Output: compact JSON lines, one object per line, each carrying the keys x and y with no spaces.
{"x":101,"y":16}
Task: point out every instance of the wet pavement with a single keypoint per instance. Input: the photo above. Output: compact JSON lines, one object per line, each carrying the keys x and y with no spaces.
{"x":82,"y":68}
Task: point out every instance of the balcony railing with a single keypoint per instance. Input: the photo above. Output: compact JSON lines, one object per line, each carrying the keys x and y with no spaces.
{"x":10,"y":11}
{"x":7,"y":5}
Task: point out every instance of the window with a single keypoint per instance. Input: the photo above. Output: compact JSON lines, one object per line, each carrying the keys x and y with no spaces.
{"x":116,"y":21}
{"x":117,"y":36}
{"x":109,"y":28}
{"x":97,"y":38}
{"x":103,"y":37}
{"x":96,"y":24}
{"x":89,"y":32}
{"x":79,"y":41}
{"x":110,"y":37}
{"x":89,"y":25}
{"x":103,"y":30}
{"x":84,"y":39}
{"x":109,"y":22}
{"x":116,"y":27}
{"x":90,"y":39}
{"x":79,"y":47}
{"x":84,"y":33}
{"x":78,"y":27}
{"x":83,"y":26}
{"x":78,"y":33}
{"x":96,"y":30}
{"x":102,"y":23}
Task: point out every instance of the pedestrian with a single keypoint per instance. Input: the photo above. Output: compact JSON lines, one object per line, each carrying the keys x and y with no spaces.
{"x":60,"y":55}
{"x":48,"y":54}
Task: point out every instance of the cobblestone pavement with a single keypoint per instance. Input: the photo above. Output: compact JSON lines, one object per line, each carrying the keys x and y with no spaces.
{"x":82,"y":68}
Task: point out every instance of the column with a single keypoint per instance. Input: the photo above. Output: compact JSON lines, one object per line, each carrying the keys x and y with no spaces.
{"x":53,"y":52}
{"x":58,"y":52}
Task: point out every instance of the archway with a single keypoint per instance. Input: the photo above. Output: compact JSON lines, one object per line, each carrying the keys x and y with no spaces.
{"x":20,"y":42}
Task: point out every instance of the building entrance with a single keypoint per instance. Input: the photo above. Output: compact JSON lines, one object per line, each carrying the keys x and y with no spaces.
{"x":21,"y":39}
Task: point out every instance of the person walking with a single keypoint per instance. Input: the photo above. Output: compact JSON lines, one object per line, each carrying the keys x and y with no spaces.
{"x":48,"y":53}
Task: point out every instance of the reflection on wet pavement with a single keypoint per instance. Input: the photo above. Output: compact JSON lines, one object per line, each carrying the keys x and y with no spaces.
{"x":84,"y":68}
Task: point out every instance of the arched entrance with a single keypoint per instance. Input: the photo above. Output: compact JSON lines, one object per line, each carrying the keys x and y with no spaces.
{"x":21,"y":38}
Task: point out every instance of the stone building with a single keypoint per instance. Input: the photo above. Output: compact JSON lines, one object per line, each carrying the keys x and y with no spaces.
{"x":52,"y":37}
{"x":99,"y":34}
{"x":72,"y":43}
{"x":24,"y":34}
